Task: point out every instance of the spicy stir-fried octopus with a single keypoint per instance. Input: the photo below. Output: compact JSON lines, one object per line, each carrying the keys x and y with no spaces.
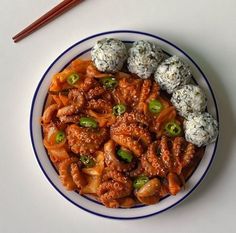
{"x":115,"y":136}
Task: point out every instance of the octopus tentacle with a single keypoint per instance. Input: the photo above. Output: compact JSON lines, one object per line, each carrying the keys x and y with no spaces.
{"x":171,"y":161}
{"x":95,"y":92}
{"x":69,"y":119}
{"x":76,"y":98}
{"x":129,"y":143}
{"x":138,"y":171}
{"x":65,"y":173}
{"x":85,"y":140}
{"x":100,"y":105}
{"x":165,"y":153}
{"x":154,"y":92}
{"x":115,"y":175}
{"x":147,"y":167}
{"x":112,"y":161}
{"x":77,"y":176}
{"x":126,"y":89}
{"x":145,"y":90}
{"x":156,"y":161}
{"x":177,"y":146}
{"x":103,"y":119}
{"x":49,"y":113}
{"x":134,"y":130}
{"x":188,"y":154}
{"x":115,"y":185}
{"x":88,"y":83}
{"x":93,"y":72}
{"x":134,"y":117}
{"x":67,"y":111}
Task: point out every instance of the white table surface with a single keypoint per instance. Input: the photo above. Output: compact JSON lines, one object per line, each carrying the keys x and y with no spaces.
{"x":204,"y":29}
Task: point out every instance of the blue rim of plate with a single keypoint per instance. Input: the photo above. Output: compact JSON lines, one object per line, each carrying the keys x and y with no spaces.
{"x":106,"y":33}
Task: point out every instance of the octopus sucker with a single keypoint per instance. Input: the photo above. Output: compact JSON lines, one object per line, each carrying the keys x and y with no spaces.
{"x":112,"y":161}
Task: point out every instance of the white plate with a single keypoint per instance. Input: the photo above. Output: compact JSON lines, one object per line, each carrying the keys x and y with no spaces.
{"x":82,"y":49}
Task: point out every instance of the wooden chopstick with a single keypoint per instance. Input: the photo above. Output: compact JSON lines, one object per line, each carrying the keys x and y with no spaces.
{"x":46,"y":18}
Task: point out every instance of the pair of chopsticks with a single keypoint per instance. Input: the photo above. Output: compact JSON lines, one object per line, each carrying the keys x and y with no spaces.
{"x":46,"y":18}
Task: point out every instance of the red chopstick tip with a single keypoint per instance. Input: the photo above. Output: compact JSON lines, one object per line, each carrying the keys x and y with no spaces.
{"x":46,"y":18}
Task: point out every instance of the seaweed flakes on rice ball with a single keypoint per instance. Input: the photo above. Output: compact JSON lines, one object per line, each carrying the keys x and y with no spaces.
{"x":144,"y":57}
{"x":189,"y":99}
{"x":172,"y":74}
{"x":109,"y":55}
{"x":201,"y":129}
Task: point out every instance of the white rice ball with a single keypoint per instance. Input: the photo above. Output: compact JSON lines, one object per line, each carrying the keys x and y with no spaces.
{"x":189,"y":99}
{"x":172,"y":74}
{"x":144,"y":58}
{"x":201,"y":129}
{"x":109,"y":55}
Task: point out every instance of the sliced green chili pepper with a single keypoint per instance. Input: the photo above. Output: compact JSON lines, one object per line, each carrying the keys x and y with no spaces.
{"x":87,"y":161}
{"x":109,"y":82}
{"x":60,"y":136}
{"x":173,"y":129}
{"x":125,"y":155}
{"x":140,"y":181}
{"x":119,"y":109}
{"x":155,"y":106}
{"x":73,"y":78}
{"x":88,"y":122}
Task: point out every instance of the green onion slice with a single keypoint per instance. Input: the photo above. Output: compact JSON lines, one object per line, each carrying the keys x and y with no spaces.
{"x":87,"y":161}
{"x":140,"y":181}
{"x":73,"y":78}
{"x":125,"y":155}
{"x":155,"y":106}
{"x":60,"y":136}
{"x":88,"y":122}
{"x":119,"y":109}
{"x":109,"y":82}
{"x":173,"y":129}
